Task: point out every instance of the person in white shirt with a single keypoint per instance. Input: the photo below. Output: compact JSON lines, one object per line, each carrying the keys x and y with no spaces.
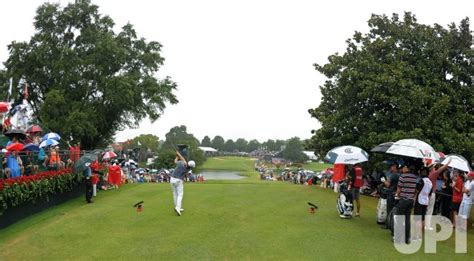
{"x":423,"y":188}
{"x":468,"y":190}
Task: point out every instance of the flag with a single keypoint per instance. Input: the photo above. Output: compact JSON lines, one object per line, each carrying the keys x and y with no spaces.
{"x":26,"y":94}
{"x":11,"y":86}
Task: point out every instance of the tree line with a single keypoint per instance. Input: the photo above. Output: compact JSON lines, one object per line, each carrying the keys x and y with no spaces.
{"x":291,"y":149}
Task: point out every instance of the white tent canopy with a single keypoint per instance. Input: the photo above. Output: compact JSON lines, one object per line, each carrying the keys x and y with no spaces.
{"x":207,"y":149}
{"x":310,"y":155}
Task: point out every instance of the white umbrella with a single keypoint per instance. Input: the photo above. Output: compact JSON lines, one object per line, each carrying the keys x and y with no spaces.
{"x":346,"y":155}
{"x":413,"y":148}
{"x":457,"y":162}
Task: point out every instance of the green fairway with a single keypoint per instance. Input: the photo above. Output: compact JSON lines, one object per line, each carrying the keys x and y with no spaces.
{"x":244,"y":165}
{"x":315,"y":166}
{"x":235,"y":220}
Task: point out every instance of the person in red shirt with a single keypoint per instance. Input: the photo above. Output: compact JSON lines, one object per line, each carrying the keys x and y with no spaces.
{"x":114,"y":174}
{"x":458,"y":184}
{"x":356,"y":182}
{"x":435,"y":171}
{"x":94,"y":181}
{"x":74,"y":154}
{"x":95,"y":166}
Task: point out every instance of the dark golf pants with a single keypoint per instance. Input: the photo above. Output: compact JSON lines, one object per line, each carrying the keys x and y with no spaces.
{"x":404,"y":208}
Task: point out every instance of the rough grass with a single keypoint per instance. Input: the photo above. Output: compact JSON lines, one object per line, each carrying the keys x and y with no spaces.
{"x":234,"y":220}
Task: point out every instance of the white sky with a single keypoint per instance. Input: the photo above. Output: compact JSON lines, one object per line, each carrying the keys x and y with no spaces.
{"x":243,"y":68}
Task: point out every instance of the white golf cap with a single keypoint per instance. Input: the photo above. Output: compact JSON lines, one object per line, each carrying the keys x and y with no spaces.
{"x":192,"y":164}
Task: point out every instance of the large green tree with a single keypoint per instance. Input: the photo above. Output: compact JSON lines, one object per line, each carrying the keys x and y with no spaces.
{"x":144,"y":142}
{"x":229,"y":146}
{"x":86,"y":80}
{"x":253,"y":145}
{"x":402,"y":79}
{"x":179,"y":135}
{"x":218,"y":143}
{"x":241,"y":144}
{"x":294,"y":150}
{"x":206,"y":142}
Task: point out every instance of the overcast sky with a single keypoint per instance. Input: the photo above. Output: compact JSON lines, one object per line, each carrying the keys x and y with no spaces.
{"x":244,"y":68}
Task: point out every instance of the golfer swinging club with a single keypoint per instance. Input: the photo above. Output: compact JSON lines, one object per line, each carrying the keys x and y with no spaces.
{"x":177,"y":179}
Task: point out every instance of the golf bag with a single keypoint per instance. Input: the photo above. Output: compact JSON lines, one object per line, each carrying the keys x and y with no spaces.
{"x":382,"y":211}
{"x":391,"y":216}
{"x":382,"y":205}
{"x":344,"y":201}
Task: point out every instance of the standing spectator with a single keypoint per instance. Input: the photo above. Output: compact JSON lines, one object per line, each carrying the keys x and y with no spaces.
{"x":468,"y":190}
{"x":74,"y":153}
{"x":424,"y":187}
{"x":55,"y":162}
{"x":114,"y":175}
{"x":89,"y":189}
{"x":391,"y":184}
{"x":446,"y":196}
{"x":94,"y":181}
{"x":406,"y":192}
{"x":355,"y":177}
{"x":457,"y":186}
{"x":13,"y":166}
{"x":433,"y":176}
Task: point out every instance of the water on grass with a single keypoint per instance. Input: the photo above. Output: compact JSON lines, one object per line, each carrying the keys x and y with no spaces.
{"x":227,"y":175}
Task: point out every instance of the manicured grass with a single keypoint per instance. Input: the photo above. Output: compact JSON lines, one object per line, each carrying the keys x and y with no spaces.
{"x":244,"y":165}
{"x":253,"y":220}
{"x":315,"y":166}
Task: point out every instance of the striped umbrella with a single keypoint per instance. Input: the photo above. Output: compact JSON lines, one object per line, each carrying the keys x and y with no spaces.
{"x":48,"y":142}
{"x":34,"y":129}
{"x":51,"y":136}
{"x":109,"y":155}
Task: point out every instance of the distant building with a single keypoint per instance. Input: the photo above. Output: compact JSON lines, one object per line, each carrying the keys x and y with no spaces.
{"x":310,"y":155}
{"x":208,"y":151}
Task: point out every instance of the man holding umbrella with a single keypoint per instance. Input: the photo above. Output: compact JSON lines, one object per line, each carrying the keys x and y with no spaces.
{"x":89,"y":188}
{"x":435,"y":171}
{"x":84,"y":165}
{"x":177,"y":180}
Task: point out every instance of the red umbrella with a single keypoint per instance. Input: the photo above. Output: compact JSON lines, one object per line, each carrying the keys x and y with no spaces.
{"x":109,"y":155}
{"x":15,"y":147}
{"x":34,"y":129}
{"x":4,"y":107}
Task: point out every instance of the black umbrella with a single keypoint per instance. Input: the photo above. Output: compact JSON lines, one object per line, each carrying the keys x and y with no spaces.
{"x":20,"y":134}
{"x":80,"y":164}
{"x":382,"y":147}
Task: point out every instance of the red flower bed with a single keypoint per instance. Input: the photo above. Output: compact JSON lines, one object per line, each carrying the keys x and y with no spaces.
{"x":39,"y":176}
{"x":16,"y":191}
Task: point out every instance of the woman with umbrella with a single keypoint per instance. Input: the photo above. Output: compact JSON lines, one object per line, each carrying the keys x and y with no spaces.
{"x":12,"y":162}
{"x":35,"y":132}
